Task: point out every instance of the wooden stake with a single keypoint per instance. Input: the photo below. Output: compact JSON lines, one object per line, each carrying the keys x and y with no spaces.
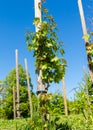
{"x":86,"y":41}
{"x":82,"y":17}
{"x":14,"y":106}
{"x":64,"y":95}
{"x":17,"y":86}
{"x":38,"y":11}
{"x":38,"y":14}
{"x":28,"y":83}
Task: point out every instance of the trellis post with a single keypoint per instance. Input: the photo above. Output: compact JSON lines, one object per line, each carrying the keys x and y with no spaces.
{"x":64,"y":96}
{"x":38,"y":14}
{"x":85,"y":33}
{"x":17,"y":86}
{"x":82,"y":18}
{"x":14,"y":105}
{"x":28,"y":84}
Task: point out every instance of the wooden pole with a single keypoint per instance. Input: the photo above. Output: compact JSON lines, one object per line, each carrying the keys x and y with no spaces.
{"x":38,"y":14}
{"x":17,"y":86}
{"x":82,"y":17}
{"x":14,"y":106}
{"x":38,"y":11}
{"x":86,"y":41}
{"x":64,"y":96}
{"x":28,"y":83}
{"x":1,"y":89}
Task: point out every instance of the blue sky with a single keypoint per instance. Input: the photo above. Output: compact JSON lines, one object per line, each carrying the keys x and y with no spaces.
{"x":16,"y":17}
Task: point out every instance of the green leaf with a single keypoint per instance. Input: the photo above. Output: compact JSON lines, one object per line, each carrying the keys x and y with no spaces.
{"x":49,"y":45}
{"x":46,"y":10}
{"x":86,"y":37}
{"x":54,"y":59}
{"x":62,"y":51}
{"x":36,"y":21}
{"x":44,"y":67}
{"x":30,"y":47}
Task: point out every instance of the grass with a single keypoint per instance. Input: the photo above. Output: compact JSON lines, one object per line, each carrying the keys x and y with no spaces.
{"x":18,"y":124}
{"x":72,"y":122}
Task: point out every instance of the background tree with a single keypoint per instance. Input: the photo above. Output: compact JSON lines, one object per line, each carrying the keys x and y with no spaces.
{"x":10,"y":81}
{"x":1,"y":86}
{"x":1,"y":100}
{"x":56,"y":105}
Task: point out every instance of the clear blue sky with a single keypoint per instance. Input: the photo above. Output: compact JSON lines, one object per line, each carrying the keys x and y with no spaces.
{"x":16,"y":17}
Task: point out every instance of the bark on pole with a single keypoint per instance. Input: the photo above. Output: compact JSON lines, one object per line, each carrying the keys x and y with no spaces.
{"x":38,"y":11}
{"x":17,"y":86}
{"x":14,"y":105}
{"x":64,"y":96}
{"x":28,"y":84}
{"x":82,"y":17}
{"x":38,"y":14}
{"x":84,"y":33}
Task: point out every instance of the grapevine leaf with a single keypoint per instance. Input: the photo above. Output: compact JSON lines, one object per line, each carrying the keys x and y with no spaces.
{"x":86,"y":37}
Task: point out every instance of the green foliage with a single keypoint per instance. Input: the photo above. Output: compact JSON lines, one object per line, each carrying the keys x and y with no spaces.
{"x":72,"y":122}
{"x":47,"y":49}
{"x":56,"y":105}
{"x":51,"y":104}
{"x":2,"y":112}
{"x":86,"y":37}
{"x":44,"y":103}
{"x":90,"y":49}
{"x":1,"y":86}
{"x":10,"y":81}
{"x":89,"y":46}
{"x":82,"y":101}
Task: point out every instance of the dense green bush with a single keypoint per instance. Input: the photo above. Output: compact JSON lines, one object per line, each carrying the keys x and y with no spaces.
{"x":7,"y":96}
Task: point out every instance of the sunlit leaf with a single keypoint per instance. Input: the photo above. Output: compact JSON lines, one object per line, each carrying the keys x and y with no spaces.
{"x":86,"y":37}
{"x":62,"y":51}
